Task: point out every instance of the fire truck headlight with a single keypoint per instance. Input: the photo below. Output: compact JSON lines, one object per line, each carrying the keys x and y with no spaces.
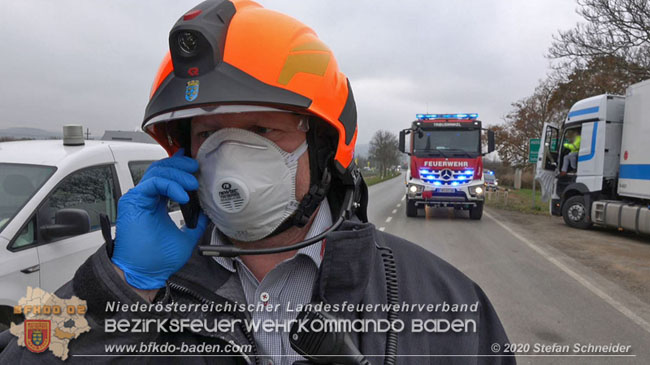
{"x":413,"y":189}
{"x":476,"y":190}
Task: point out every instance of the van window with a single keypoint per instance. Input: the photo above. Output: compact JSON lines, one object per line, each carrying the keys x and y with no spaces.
{"x":18,"y":183}
{"x":138,"y":168}
{"x":27,"y":236}
{"x":91,"y":189}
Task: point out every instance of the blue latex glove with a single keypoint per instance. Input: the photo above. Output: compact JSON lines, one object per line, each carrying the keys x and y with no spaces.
{"x":149,"y":247}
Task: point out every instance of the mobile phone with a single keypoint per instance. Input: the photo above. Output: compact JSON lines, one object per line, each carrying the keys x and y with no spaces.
{"x":192,"y":208}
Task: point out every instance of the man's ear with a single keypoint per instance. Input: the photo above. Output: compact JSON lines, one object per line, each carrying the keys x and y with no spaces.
{"x":322,"y":140}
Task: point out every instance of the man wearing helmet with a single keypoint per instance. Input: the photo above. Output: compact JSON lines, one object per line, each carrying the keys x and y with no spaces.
{"x":260,"y":125}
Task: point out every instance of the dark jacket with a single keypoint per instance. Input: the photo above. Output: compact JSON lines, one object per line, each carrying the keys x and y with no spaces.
{"x":352,"y":271}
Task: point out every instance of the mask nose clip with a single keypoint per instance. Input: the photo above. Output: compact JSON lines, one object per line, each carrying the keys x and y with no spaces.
{"x":235,"y":143}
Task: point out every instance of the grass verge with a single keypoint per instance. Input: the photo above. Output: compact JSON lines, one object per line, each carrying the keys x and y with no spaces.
{"x":518,"y":201}
{"x":372,"y":180}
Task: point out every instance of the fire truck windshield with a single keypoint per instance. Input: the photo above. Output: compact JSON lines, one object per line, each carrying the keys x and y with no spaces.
{"x":447,"y":143}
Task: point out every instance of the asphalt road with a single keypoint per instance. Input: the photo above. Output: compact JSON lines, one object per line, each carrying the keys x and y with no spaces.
{"x":541,"y":295}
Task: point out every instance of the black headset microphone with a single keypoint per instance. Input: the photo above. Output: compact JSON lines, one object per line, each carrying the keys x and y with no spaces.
{"x":232,"y":251}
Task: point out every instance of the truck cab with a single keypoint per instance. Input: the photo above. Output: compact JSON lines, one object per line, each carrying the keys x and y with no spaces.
{"x":610,"y":185}
{"x":598,"y":121}
{"x":445,"y":166}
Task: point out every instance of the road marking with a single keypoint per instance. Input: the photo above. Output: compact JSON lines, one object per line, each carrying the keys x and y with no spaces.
{"x":388,"y":219}
{"x":587,"y":284}
{"x":394,"y":211}
{"x":404,"y":197}
{"x":399,"y":205}
{"x":382,"y":228}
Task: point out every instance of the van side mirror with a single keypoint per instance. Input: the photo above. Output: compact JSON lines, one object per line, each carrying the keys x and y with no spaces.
{"x":67,"y":222}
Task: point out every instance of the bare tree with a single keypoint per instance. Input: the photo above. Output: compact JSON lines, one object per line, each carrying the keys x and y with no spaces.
{"x":524,"y":122}
{"x":383,"y":150}
{"x":613,"y":28}
{"x":552,"y":100}
{"x":606,"y":74}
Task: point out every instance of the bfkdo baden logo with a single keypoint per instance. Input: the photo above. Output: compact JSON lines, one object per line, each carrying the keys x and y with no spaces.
{"x":50,"y":322}
{"x":37,"y":334}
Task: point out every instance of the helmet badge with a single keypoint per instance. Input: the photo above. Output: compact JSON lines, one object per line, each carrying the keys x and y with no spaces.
{"x":192,"y":90}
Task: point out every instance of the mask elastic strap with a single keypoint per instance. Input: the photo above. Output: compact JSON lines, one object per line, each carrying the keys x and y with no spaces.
{"x":309,"y":203}
{"x":295,"y":155}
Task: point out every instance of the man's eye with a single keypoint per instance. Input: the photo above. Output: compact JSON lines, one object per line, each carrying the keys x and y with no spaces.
{"x":261,"y":130}
{"x":205,"y":134}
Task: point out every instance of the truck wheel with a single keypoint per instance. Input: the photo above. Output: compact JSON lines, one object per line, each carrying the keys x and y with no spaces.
{"x":476,"y":212}
{"x":411,"y":209}
{"x":576,"y":213}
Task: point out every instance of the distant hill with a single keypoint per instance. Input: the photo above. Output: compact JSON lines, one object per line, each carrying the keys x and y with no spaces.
{"x":34,"y":133}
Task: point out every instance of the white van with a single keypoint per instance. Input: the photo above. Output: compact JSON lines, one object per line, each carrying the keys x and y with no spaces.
{"x":51,"y":196}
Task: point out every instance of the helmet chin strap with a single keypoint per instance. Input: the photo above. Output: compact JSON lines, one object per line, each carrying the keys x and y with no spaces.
{"x":308,"y":205}
{"x":232,"y":251}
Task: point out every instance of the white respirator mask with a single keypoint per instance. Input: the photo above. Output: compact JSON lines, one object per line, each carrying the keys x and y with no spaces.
{"x":247,"y":184}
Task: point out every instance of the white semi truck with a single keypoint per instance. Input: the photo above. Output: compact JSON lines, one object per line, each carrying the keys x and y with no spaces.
{"x":611,"y":184}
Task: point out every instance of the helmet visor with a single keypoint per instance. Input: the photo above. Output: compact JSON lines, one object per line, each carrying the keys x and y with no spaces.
{"x":206,"y":110}
{"x":172,"y":129}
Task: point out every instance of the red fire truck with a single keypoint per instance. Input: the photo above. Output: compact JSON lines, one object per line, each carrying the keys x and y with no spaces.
{"x":446,"y":163}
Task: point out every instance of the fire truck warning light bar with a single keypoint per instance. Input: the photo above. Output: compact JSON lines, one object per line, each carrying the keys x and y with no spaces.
{"x":446,"y":116}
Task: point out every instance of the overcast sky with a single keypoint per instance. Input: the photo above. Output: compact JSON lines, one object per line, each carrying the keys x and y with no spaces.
{"x":92,"y":62}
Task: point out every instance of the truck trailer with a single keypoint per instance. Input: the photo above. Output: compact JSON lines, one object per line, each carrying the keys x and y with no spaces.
{"x":610,"y":184}
{"x":445,"y":163}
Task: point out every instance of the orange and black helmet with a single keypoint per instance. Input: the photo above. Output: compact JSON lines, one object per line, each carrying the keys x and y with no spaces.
{"x":236,"y":52}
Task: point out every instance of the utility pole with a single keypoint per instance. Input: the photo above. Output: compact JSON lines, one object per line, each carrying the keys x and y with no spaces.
{"x":87,"y":133}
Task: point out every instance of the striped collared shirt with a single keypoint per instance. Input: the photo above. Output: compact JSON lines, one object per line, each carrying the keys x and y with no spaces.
{"x":291,"y":281}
